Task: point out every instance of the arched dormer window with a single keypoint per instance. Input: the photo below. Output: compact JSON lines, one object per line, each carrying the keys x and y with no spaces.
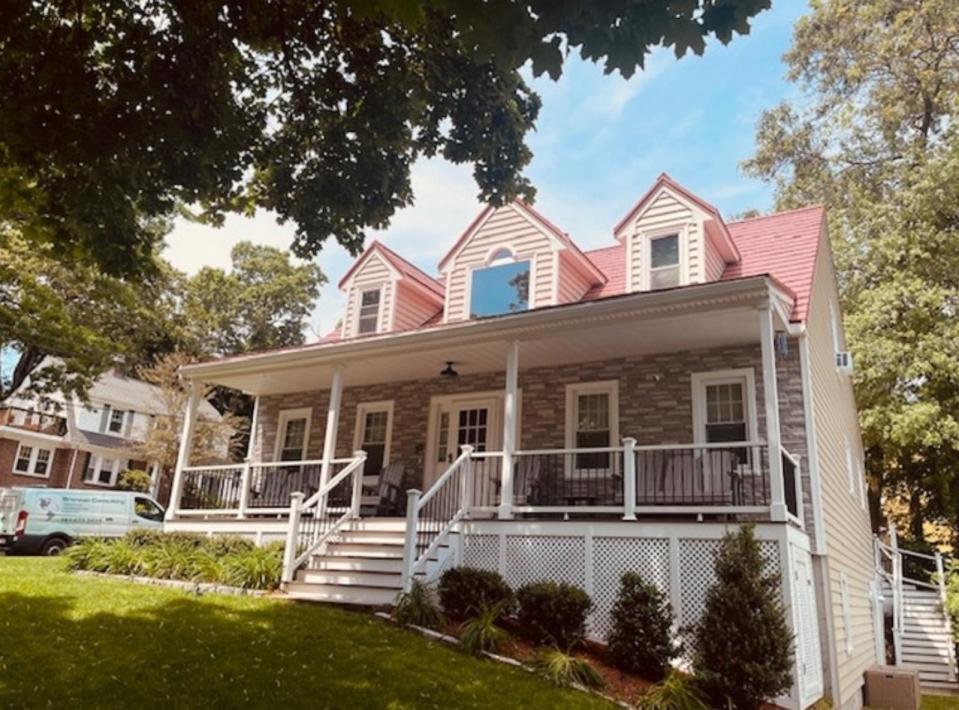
{"x":502,"y":286}
{"x":503,"y":255}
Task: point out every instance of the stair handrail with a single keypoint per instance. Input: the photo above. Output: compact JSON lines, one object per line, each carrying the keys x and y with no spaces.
{"x":317,"y":504}
{"x":894,"y":578}
{"x":416,"y":502}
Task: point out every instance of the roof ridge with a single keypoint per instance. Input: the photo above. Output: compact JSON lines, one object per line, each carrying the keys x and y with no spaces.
{"x":815,"y":206}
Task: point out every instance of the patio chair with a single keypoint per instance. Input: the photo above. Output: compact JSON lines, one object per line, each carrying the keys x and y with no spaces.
{"x":383,"y":494}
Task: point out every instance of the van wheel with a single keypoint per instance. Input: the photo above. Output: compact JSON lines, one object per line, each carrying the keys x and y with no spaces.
{"x":53,"y":547}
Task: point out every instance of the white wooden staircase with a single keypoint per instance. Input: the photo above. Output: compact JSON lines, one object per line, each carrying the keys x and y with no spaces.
{"x":362,"y":565}
{"x":922,"y":628}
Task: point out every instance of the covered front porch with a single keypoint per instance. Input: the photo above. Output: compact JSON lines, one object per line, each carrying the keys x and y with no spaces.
{"x":659,"y":404}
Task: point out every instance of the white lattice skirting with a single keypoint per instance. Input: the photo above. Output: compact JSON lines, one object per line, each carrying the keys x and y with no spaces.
{"x":676,"y":557}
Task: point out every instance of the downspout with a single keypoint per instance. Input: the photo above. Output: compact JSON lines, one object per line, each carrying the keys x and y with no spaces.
{"x":73,"y":465}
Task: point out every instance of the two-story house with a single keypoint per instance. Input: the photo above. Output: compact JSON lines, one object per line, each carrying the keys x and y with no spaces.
{"x":558,"y":413}
{"x":62,"y":443}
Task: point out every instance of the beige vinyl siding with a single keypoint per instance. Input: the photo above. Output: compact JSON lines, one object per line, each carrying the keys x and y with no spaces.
{"x":505,"y":227}
{"x":666,"y":213}
{"x":713,"y":263}
{"x":846,"y":524}
{"x":694,"y":252}
{"x":411,"y":309}
{"x":572,"y":284}
{"x":373,"y":273}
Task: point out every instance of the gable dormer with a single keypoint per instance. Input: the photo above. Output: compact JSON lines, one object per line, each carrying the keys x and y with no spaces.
{"x":513,"y":259}
{"x":673,"y":238}
{"x":384,"y":293}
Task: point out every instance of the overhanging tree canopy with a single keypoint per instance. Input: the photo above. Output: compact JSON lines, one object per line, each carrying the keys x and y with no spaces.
{"x":115,"y":111}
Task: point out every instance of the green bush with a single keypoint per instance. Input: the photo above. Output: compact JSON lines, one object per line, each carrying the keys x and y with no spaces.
{"x":553,"y":613}
{"x":743,"y":652}
{"x":677,"y":692}
{"x":134,"y":480}
{"x":257,"y":568}
{"x":183,"y":556}
{"x":482,"y":632}
{"x":465,"y":591}
{"x":641,"y":637}
{"x":416,"y":608}
{"x":563,"y":669}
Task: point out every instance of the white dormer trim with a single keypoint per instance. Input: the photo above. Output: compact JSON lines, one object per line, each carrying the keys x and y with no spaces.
{"x":629,"y":228}
{"x":357,"y":269}
{"x":681,"y":230}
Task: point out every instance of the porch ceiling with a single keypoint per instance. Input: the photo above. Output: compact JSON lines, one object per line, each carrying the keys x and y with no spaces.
{"x":599,"y":339}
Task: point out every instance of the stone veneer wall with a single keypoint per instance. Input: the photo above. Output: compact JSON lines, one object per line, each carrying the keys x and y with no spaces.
{"x":655,"y":402}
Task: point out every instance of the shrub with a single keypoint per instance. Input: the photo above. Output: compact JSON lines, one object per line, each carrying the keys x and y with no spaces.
{"x":641,"y":639}
{"x":743,"y":652}
{"x":168,"y":559}
{"x":86,"y":553}
{"x":465,"y":591}
{"x":134,"y":480}
{"x":257,"y":568}
{"x":677,"y":692}
{"x":220,"y":545}
{"x":416,"y":608}
{"x":553,"y":613}
{"x":120,"y":557}
{"x":482,"y":632}
{"x":563,"y":669}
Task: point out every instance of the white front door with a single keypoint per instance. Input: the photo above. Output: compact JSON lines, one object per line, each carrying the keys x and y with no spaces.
{"x":462,"y":421}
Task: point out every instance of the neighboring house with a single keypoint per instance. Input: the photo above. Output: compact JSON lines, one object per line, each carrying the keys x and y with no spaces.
{"x":67,"y":444}
{"x":572,"y":415}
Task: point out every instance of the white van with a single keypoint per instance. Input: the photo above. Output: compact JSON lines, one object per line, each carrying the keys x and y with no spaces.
{"x":45,"y":520}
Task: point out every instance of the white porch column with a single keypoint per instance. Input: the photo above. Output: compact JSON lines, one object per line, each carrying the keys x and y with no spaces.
{"x":186,"y":447}
{"x":509,"y":429}
{"x":771,"y":399}
{"x":332,"y":424}
{"x":251,"y":445}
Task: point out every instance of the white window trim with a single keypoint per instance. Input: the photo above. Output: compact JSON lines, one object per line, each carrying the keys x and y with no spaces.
{"x":574,"y":390}
{"x":682,"y":235}
{"x":850,"y":471}
{"x":32,"y":465}
{"x":364,"y":408}
{"x":861,"y":474}
{"x":360,"y":290}
{"x":517,"y":258}
{"x":283,"y":417}
{"x":97,"y":461}
{"x":699,"y":381}
{"x":123,"y":418}
{"x":846,"y":617}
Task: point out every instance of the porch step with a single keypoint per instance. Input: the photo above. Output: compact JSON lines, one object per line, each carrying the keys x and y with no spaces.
{"x":385,"y":580}
{"x":341,"y":594}
{"x":380,"y":524}
{"x":358,"y":549}
{"x":370,"y":537}
{"x":357,"y":564}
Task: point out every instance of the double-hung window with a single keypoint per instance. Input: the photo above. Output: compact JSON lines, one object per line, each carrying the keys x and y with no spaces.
{"x":102,"y":470}
{"x":592,"y":422}
{"x":115,"y":424}
{"x":33,"y":461}
{"x":293,"y":434}
{"x":369,"y":317}
{"x":724,"y":408}
{"x":664,"y":262}
{"x":374,"y":421}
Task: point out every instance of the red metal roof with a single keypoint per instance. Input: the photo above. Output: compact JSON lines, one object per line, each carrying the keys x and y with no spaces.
{"x":400,"y":264}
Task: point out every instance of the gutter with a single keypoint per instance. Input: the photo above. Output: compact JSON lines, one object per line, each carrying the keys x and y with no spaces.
{"x":649,"y":303}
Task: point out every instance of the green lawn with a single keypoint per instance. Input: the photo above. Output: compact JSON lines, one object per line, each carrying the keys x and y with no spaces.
{"x":70,"y":641}
{"x":939,"y":702}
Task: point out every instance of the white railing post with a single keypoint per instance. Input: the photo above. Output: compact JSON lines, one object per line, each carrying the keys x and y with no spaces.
{"x":897,"y":607}
{"x":292,"y":536}
{"x":332,"y":424}
{"x":186,"y":447}
{"x":358,"y":483}
{"x":509,"y":430}
{"x":777,"y":507}
{"x":629,"y":478}
{"x":466,"y":491}
{"x":244,"y":490}
{"x":409,"y":541}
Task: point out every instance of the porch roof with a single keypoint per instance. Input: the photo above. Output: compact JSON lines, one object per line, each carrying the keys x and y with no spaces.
{"x":692,"y":317}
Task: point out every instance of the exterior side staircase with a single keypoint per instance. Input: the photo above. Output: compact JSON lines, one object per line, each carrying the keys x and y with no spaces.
{"x":361,"y":564}
{"x":921,"y":627}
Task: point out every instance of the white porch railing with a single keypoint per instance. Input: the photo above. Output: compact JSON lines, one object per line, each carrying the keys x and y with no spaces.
{"x":313,"y":521}
{"x":247,"y":489}
{"x":430,"y":517}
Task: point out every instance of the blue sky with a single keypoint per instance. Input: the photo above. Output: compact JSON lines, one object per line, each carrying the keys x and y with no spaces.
{"x":600,"y":142}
